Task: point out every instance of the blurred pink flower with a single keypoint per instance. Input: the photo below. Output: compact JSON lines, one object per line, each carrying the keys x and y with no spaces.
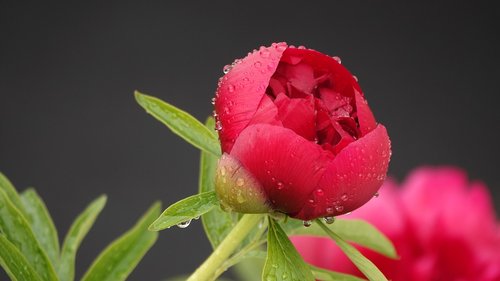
{"x":444,"y":229}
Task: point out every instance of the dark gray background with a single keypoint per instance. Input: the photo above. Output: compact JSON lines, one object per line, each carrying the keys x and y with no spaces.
{"x":70,"y":127}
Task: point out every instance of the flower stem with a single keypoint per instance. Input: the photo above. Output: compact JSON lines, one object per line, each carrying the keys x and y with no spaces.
{"x":207,"y":269}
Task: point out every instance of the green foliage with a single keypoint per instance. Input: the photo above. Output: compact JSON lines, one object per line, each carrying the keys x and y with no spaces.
{"x":29,"y":243}
{"x":118,"y":260}
{"x":283,"y":262}
{"x":182,"y":212}
{"x":362,"y":263}
{"x":217,"y":223}
{"x":75,"y":235}
{"x":355,"y":230}
{"x":180,"y":122}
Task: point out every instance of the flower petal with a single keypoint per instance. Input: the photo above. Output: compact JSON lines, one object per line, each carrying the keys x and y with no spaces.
{"x":365,"y":116}
{"x":287,"y":165}
{"x":297,"y":115}
{"x":352,"y":178}
{"x":241,"y":89}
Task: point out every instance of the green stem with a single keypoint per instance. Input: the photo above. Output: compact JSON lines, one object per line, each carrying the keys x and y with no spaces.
{"x":207,"y":269}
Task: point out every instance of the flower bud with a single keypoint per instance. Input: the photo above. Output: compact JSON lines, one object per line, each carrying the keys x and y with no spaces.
{"x":295,"y":127}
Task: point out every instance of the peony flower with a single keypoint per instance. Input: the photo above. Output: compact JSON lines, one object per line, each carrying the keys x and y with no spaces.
{"x":297,"y":136}
{"x":444,"y":229}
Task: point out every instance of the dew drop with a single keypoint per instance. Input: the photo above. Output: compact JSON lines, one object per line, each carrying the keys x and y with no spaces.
{"x":213,"y":101}
{"x":280,"y":185}
{"x":329,"y":219}
{"x":307,"y":223}
{"x":339,"y":208}
{"x":301,"y":47}
{"x":223,"y":171}
{"x":240,"y":198}
{"x":329,"y":210}
{"x":226,"y":68}
{"x":270,"y":66}
{"x":184,"y":224}
{"x":230,"y":88}
{"x":376,"y":195}
{"x":257,"y":64}
{"x":337,"y":59}
{"x":218,"y":125}
{"x":240,"y":181}
{"x":344,"y":197}
{"x":319,"y":192}
{"x":355,"y":78}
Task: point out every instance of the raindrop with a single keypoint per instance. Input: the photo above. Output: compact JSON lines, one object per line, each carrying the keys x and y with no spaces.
{"x":184,"y":224}
{"x":307,"y":223}
{"x":319,"y":192}
{"x":355,"y":78}
{"x":240,"y":198}
{"x":280,"y":47}
{"x":213,"y":101}
{"x":329,"y":220}
{"x":218,"y":125}
{"x":257,"y":64}
{"x":301,"y":47}
{"x":344,"y":197}
{"x":280,"y":185}
{"x":226,"y":68}
{"x":329,"y":210}
{"x":230,"y":88}
{"x":223,"y":171}
{"x":339,"y":208}
{"x":376,"y":195}
{"x":337,"y":59}
{"x":271,"y":66}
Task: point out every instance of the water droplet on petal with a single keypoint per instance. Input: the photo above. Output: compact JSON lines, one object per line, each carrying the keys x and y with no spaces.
{"x":344,"y":197}
{"x":218,"y":125}
{"x":329,"y":220}
{"x":280,"y":185}
{"x":339,"y":208}
{"x":223,"y":171}
{"x":329,"y":210}
{"x":230,"y":88}
{"x":319,"y":192}
{"x":226,"y":68}
{"x":337,"y":59}
{"x":307,"y":223}
{"x":184,"y":224}
{"x":355,"y":78}
{"x":376,"y":195}
{"x":257,"y":64}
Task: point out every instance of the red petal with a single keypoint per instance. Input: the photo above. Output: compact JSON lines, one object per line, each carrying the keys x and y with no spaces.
{"x":287,"y":165}
{"x":241,"y":91}
{"x":352,"y":178}
{"x":266,"y":113}
{"x":297,"y":115}
{"x":365,"y":116}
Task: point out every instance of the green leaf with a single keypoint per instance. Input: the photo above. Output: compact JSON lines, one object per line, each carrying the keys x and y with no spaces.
{"x":14,"y":263}
{"x":217,"y":223}
{"x":74,"y":238}
{"x":17,"y":230}
{"x":181,"y":123}
{"x":361,"y":262}
{"x":118,"y":260}
{"x":283,"y":262}
{"x":327,"y":275}
{"x":185,"y":210}
{"x":357,"y":231}
{"x":11,"y":192}
{"x":41,"y":223}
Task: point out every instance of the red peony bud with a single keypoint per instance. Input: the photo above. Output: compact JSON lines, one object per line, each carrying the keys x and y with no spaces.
{"x":298,"y":126}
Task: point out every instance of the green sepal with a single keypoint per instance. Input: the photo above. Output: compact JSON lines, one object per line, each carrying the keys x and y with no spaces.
{"x":15,"y":263}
